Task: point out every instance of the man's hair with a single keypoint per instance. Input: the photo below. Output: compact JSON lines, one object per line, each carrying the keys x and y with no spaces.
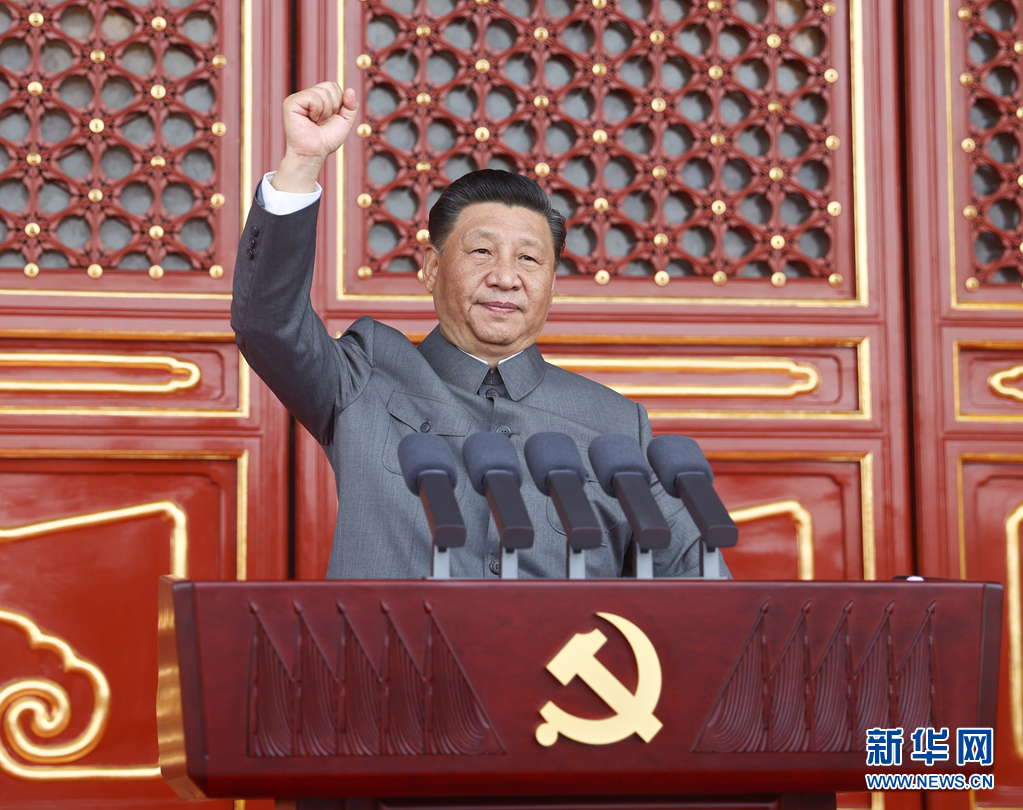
{"x":493,"y":186}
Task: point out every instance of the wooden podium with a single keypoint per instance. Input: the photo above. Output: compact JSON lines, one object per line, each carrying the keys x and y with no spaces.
{"x":575,"y":694}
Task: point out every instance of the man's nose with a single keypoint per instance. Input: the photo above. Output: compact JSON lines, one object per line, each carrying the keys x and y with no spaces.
{"x":504,"y":274}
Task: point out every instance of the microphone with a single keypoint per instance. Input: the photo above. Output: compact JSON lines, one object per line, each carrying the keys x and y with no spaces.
{"x":685,"y":473}
{"x":494,"y":471}
{"x":623,"y":474}
{"x":558,"y":471}
{"x":428,"y":466}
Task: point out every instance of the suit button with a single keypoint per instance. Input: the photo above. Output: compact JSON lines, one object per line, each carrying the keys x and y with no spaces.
{"x":252,"y":243}
{"x":504,"y":430}
{"x":254,"y":230}
{"x":424,"y":428}
{"x":251,"y":253}
{"x":491,"y":393}
{"x":495,"y":566}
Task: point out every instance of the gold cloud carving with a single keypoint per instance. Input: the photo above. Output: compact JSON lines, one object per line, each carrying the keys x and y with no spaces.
{"x":802,"y":519}
{"x":184,"y":375}
{"x":44,"y":703}
{"x":997,"y":383}
{"x":1012,"y":570}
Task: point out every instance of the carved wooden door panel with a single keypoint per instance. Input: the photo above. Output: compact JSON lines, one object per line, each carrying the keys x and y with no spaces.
{"x":133,"y":440}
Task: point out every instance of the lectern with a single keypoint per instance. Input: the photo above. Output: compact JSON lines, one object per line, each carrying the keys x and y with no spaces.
{"x":574,"y":694}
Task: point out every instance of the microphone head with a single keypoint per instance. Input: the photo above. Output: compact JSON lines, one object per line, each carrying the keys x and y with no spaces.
{"x":547,"y":452}
{"x":419,"y":452}
{"x":615,"y":453}
{"x":486,"y":452}
{"x":672,"y":455}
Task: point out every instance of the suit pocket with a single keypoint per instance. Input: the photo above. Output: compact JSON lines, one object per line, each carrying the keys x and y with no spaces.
{"x":414,"y":413}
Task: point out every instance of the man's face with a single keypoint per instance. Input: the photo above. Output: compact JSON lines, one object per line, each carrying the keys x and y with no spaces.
{"x":494,"y":283}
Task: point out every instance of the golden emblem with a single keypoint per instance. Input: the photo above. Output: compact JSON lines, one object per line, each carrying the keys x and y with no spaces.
{"x":633,"y":713}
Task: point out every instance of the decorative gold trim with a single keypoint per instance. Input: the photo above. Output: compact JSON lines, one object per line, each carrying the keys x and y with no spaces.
{"x":996,"y":382}
{"x":808,"y":377}
{"x":173,"y":366}
{"x":857,"y":85}
{"x":245,"y":186}
{"x":242,"y":518}
{"x":114,"y":294}
{"x":46,"y":702}
{"x":877,"y":800}
{"x":1012,"y":568}
{"x":802,"y":519}
{"x":996,"y":345}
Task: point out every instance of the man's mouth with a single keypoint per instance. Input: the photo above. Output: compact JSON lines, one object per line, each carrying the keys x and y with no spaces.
{"x":499,"y":306}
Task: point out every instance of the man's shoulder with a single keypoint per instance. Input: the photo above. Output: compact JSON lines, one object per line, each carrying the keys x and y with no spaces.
{"x":584,"y":389}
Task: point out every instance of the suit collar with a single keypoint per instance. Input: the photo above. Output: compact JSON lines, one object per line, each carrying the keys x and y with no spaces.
{"x":521,"y":374}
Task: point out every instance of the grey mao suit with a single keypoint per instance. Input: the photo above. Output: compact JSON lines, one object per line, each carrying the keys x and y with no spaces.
{"x":358,"y":395}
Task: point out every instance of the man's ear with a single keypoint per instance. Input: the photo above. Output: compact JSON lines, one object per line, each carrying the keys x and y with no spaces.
{"x":431,"y":263}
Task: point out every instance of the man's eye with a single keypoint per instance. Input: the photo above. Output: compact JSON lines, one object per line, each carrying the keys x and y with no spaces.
{"x":529,"y":258}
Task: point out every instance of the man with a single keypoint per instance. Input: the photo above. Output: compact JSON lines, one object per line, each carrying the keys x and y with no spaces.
{"x":490,"y":266}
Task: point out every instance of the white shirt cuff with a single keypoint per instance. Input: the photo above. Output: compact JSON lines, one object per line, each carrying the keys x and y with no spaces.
{"x":282,"y":203}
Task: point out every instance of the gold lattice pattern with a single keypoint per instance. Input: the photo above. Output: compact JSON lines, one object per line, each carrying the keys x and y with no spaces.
{"x":110,"y":136}
{"x":678,"y":138}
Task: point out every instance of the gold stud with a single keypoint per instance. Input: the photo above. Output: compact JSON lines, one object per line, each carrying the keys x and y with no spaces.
{"x":773,"y":41}
{"x":364,"y":130}
{"x":599,"y":136}
{"x":602,"y":277}
{"x":1019,"y":112}
{"x":422,"y":236}
{"x":778,"y":279}
{"x":968,"y":144}
{"x":659,"y":172}
{"x":159,"y":23}
{"x":96,"y":125}
{"x":363,"y":61}
{"x":832,"y":142}
{"x":717,"y":139}
{"x":482,"y":2}
{"x":35,"y":19}
{"x":965,"y":79}
{"x":155,"y":271}
{"x":660,"y":240}
{"x":777,"y":241}
{"x":34,"y":88}
{"x":94,"y":271}
{"x":599,"y":4}
{"x":775,"y":173}
{"x":364,"y":272}
{"x":715,"y":72}
{"x":419,"y":275}
{"x":216,"y":271}
{"x":600,"y":205}
{"x":157,"y":161}
{"x":364,"y":201}
{"x":97,"y":56}
{"x":218,"y":200}
{"x":1017,"y":46}
{"x":829,"y":9}
{"x":31,"y":269}
{"x":719,"y":277}
{"x":542,"y":169}
{"x":835,"y":279}
{"x":970,"y":212}
{"x":718,"y":207}
{"x":218,"y":128}
{"x":1019,"y":181}
{"x":219,"y":61}
{"x":482,"y":134}
{"x":831,"y":75}
{"x":714,"y":6}
{"x":661,"y":278}
{"x":541,"y":34}
{"x":32,"y":230}
{"x":599,"y":70}
{"x":774,"y":107}
{"x":422,"y":99}
{"x":422,"y":31}
{"x":33,"y":158}
{"x":541,"y":102}
{"x":422,"y":166}
{"x":834,"y":208}
{"x":482,"y":66}
{"x":972,"y":284}
{"x":156,"y":232}
{"x":95,"y":195}
{"x":658,"y":105}
{"x":158,"y":91}
{"x":657,"y":37}
{"x":964,"y":14}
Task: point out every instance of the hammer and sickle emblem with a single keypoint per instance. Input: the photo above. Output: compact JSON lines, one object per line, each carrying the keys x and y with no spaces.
{"x":632,"y":712}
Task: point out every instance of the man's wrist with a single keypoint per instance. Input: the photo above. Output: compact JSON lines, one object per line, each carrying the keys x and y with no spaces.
{"x":297,"y":175}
